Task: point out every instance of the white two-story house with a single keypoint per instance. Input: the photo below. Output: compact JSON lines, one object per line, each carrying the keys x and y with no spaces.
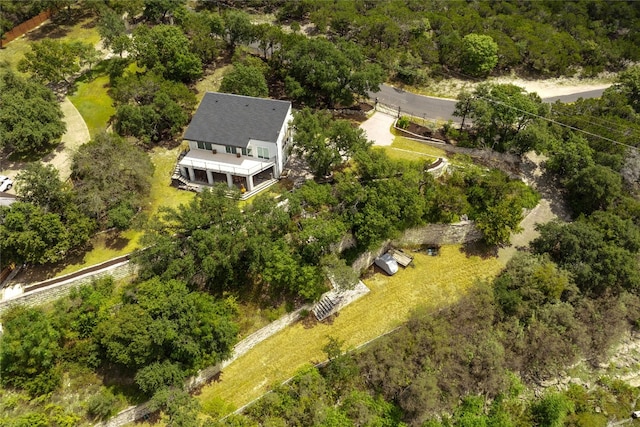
{"x":240,"y":140}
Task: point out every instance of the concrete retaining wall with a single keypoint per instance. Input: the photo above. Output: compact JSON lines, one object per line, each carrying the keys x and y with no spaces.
{"x":129,"y":415}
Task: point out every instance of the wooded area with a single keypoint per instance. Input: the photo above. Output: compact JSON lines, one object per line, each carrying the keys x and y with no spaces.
{"x":570,"y":297}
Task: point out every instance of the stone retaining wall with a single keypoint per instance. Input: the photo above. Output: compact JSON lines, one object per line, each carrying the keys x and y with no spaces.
{"x":431,"y":234}
{"x":51,"y":293}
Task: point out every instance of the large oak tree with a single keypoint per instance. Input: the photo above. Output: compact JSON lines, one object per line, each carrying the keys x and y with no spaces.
{"x":30,"y":117}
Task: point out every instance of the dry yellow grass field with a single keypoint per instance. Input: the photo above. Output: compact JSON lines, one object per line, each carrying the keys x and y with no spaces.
{"x":432,"y":282}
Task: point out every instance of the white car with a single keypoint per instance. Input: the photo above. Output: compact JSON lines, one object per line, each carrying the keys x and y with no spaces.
{"x":5,"y":183}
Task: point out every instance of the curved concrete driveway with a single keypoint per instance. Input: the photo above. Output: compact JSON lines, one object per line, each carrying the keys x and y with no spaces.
{"x":77,"y":134}
{"x":378,"y":128}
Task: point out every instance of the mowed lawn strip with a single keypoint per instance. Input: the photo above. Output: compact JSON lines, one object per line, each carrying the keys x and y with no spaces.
{"x":401,"y":143}
{"x":433,"y":282}
{"x":94,"y":103}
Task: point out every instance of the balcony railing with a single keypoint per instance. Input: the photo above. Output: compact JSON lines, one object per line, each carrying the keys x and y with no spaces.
{"x":228,"y":163}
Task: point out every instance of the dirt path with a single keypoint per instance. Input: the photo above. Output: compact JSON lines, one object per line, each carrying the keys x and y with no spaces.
{"x":551,"y":206}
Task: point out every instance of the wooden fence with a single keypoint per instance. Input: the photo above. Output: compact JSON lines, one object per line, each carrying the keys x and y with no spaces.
{"x":24,"y":28}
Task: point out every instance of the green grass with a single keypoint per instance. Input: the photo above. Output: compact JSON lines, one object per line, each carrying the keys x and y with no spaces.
{"x":83,"y":29}
{"x":433,"y":282}
{"x":105,"y":246}
{"x":404,"y":148}
{"x":92,"y":100}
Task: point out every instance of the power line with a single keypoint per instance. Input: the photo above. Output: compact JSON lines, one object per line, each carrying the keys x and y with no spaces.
{"x":546,"y":118}
{"x":558,"y":123}
{"x":592,"y":120}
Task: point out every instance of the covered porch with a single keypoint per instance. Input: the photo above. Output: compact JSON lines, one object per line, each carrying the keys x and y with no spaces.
{"x":242,"y":172}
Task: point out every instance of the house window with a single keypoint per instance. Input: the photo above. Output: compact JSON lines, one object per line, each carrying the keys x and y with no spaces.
{"x":230,"y":150}
{"x":244,"y":151}
{"x":205,"y":145}
{"x":263,"y":153}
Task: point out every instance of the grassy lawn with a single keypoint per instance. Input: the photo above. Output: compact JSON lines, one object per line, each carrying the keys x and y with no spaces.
{"x":94,"y":103}
{"x":82,"y":29}
{"x":407,"y":149}
{"x":433,"y":282}
{"x":105,"y":246}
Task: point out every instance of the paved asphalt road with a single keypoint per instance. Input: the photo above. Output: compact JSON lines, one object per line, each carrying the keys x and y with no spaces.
{"x":441,"y":108}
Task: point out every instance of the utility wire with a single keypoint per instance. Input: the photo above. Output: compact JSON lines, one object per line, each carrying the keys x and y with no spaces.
{"x":558,"y":123}
{"x":546,"y":118}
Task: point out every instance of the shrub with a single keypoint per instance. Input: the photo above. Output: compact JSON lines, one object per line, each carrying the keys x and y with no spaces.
{"x":403,"y":122}
{"x":103,"y":405}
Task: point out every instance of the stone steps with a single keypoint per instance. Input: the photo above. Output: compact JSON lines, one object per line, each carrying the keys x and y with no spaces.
{"x":324,"y":307}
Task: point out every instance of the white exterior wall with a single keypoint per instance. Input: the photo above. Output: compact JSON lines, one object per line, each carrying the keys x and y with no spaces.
{"x":254,"y":144}
{"x":193,"y":145}
{"x":282,"y":135}
{"x":276,"y":150}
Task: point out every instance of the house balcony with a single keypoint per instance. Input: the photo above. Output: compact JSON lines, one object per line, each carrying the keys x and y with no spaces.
{"x":201,"y":168}
{"x":224,"y":163}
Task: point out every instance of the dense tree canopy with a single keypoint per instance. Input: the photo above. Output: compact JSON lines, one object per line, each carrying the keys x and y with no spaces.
{"x":158,"y":10}
{"x":111,"y":177}
{"x":546,"y":39}
{"x":29,"y":346}
{"x":112,"y":30}
{"x":601,"y":252}
{"x":212,"y":245}
{"x":594,"y":188}
{"x":165,"y":50}
{"x":14,"y":12}
{"x":163,"y":321}
{"x":151,"y":108}
{"x":326,"y":143}
{"x":237,"y":28}
{"x":479,"y":54}
{"x":54,"y":61}
{"x":245,"y":80}
{"x":29,"y":234}
{"x":499,"y":112}
{"x":204,"y":30}
{"x":40,"y":185}
{"x":318,"y":71}
{"x":30,"y":117}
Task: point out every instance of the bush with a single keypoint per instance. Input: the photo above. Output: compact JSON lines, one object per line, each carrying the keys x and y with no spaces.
{"x":103,"y":405}
{"x":120,"y":216}
{"x":403,"y":122}
{"x":157,"y":376}
{"x":551,"y":410}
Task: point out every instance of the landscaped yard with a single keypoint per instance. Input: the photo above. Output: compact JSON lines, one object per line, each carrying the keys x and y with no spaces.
{"x":433,"y":282}
{"x":407,"y":149}
{"x":107,"y":246}
{"x":94,"y":103}
{"x":83,"y":29}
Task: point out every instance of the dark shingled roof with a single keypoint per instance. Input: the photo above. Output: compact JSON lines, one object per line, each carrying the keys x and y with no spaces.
{"x":228,"y":119}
